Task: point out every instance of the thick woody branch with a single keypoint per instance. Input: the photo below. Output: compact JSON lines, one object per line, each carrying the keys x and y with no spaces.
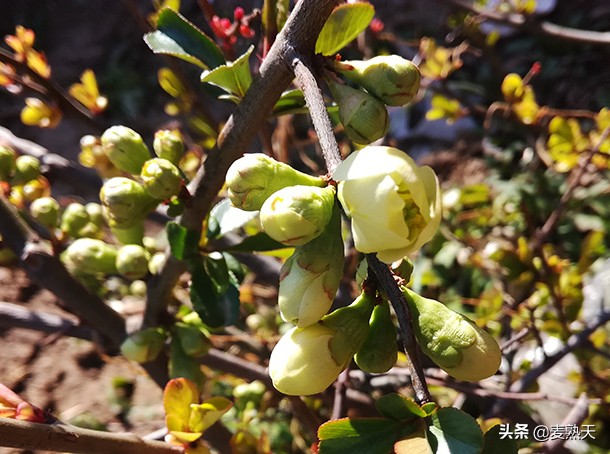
{"x":300,"y":33}
{"x":66,"y":438}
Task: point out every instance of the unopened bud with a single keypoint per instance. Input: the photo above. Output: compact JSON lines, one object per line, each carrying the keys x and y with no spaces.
{"x":74,"y":218}
{"x":96,"y":213}
{"x":90,"y":256}
{"x":168,"y":145}
{"x":46,"y":211}
{"x":26,"y":168}
{"x":379,"y":351}
{"x":132,"y":261}
{"x":297,"y":214}
{"x":254,"y":177}
{"x":143,"y":346}
{"x":34,"y":189}
{"x":125,"y":149}
{"x":364,"y":117}
{"x":126,"y":200}
{"x":453,"y":341}
{"x":161,"y":178}
{"x":7,"y":162}
{"x":390,"y":78}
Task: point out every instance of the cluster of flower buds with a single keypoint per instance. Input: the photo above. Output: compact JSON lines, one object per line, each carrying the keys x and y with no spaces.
{"x":226,"y":30}
{"x":387,"y":80}
{"x":21,"y":178}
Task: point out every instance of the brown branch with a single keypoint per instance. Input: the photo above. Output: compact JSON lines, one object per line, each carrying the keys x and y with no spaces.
{"x":403,"y":314}
{"x":66,"y":438}
{"x":543,"y":28}
{"x":578,"y":413}
{"x":300,"y":33}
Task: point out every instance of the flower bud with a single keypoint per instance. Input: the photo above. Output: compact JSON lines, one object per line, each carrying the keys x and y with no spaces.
{"x":364,"y":117}
{"x":297,"y":214}
{"x":73,"y":219}
{"x":90,"y":256}
{"x":168,"y":145}
{"x":390,"y":78}
{"x":126,"y":200}
{"x":125,"y":149}
{"x":27,"y":168}
{"x":46,"y":211}
{"x":7,"y":162}
{"x":379,"y":351}
{"x":132,"y":261}
{"x":194,"y":340}
{"x":143,"y":346}
{"x":161,"y":178}
{"x":254,"y":177}
{"x":453,"y":341}
{"x":34,"y":189}
{"x":128,"y":232}
{"x":395,"y":206}
{"x":96,"y":213}
{"x":309,"y":279}
{"x":308,"y":360}
{"x":156,"y":263}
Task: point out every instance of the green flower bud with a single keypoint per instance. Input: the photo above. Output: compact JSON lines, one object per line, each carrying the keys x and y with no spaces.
{"x":96,"y":213}
{"x":168,"y":145}
{"x":27,"y":168}
{"x":161,"y":178}
{"x":125,"y":149}
{"x":138,"y":288}
{"x":390,"y":78}
{"x":143,"y":346}
{"x":379,"y":351}
{"x":309,"y":279}
{"x":364,"y":117}
{"x":249,"y":392}
{"x":453,"y":341}
{"x":128,"y":232}
{"x":73,"y":219}
{"x":46,"y":211}
{"x":90,"y":256}
{"x":156,"y":263}
{"x":297,"y":214}
{"x":126,"y":201}
{"x":34,"y":189}
{"x":254,"y":177}
{"x":132,"y":261}
{"x":7,"y":162}
{"x":308,"y":360}
{"x":193,"y":339}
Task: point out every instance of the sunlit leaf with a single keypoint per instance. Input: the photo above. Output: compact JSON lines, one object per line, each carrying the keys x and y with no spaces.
{"x":345,"y":23}
{"x":178,"y":396}
{"x":205,"y":414}
{"x":178,"y":37}
{"x":38,"y":113}
{"x":493,"y":443}
{"x":454,"y":432}
{"x":398,"y":407}
{"x":444,"y":108}
{"x":512,"y":88}
{"x":437,"y":62}
{"x":87,"y":92}
{"x":37,"y":62}
{"x":234,"y":77}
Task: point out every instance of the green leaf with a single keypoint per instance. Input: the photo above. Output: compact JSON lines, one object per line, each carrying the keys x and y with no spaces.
{"x":361,"y":436}
{"x":292,"y":101}
{"x":178,"y":37}
{"x":160,"y":43}
{"x":183,"y":243}
{"x":182,"y":365}
{"x":216,"y":267}
{"x":214,"y":309}
{"x":259,"y":242}
{"x":225,"y":218}
{"x":454,"y":432}
{"x":395,"y":406}
{"x":234,"y":77}
{"x":493,"y":444}
{"x":345,"y":23}
{"x":414,"y":443}
{"x":207,"y":413}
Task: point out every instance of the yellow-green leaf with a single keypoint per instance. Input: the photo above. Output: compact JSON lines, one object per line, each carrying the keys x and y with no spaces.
{"x":207,"y":413}
{"x":345,"y":23}
{"x":234,"y":77}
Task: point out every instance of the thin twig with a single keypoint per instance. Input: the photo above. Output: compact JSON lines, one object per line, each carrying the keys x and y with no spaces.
{"x":317,"y":110}
{"x":403,"y":314}
{"x":340,"y":390}
{"x":543,"y":28}
{"x":67,"y":438}
{"x":575,"y":417}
